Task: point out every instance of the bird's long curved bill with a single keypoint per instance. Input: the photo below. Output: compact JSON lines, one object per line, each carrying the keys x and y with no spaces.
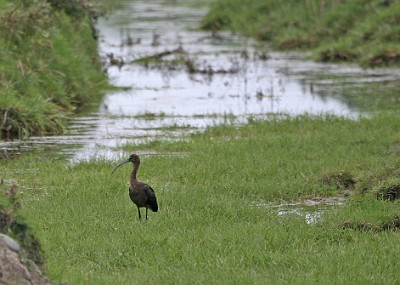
{"x":122,"y":163}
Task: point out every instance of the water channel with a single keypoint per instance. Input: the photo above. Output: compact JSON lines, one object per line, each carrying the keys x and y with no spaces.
{"x":196,"y":80}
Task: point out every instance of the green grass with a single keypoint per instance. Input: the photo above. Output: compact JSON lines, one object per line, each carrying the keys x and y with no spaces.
{"x":50,"y":66}
{"x":363,"y":31}
{"x":209,"y":229}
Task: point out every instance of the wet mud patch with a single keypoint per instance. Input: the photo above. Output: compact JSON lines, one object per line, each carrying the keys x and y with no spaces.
{"x":336,"y":55}
{"x":389,"y":193}
{"x":180,"y":60}
{"x":392,"y":224}
{"x":344,"y":181}
{"x":9,"y":153}
{"x":385,"y":58}
{"x":160,"y":57}
{"x":6,"y":220}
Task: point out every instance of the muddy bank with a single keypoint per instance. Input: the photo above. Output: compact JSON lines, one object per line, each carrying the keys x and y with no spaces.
{"x":21,"y":260}
{"x":14,"y":271}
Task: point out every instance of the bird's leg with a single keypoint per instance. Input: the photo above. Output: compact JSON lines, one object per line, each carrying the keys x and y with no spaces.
{"x":140,"y":217}
{"x":146,"y":213}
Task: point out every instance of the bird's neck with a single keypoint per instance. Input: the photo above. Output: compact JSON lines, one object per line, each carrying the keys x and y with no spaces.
{"x":134,"y":172}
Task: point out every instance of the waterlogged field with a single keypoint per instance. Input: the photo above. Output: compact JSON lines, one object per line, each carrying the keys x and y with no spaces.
{"x":281,"y":201}
{"x":217,"y":193}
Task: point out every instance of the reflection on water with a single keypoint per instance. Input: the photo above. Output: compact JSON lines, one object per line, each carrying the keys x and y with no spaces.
{"x":213,"y":78}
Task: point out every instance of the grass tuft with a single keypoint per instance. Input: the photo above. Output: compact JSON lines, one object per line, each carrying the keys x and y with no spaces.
{"x":50,"y":66}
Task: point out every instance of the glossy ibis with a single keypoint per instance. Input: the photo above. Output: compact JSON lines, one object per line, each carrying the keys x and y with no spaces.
{"x":140,"y":193}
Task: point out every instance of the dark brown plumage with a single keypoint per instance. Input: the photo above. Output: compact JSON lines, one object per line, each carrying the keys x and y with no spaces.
{"x":140,"y":193}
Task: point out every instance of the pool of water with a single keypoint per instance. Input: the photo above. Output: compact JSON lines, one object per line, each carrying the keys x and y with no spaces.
{"x":311,"y":210}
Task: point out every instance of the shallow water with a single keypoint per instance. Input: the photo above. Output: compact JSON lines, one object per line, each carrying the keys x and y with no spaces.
{"x":311,"y":210}
{"x":232,"y":81}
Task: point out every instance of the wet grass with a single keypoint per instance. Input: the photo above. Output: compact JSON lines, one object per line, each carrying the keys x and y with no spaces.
{"x":50,"y":67}
{"x":335,"y":30}
{"x":151,"y":116}
{"x":208,"y":229}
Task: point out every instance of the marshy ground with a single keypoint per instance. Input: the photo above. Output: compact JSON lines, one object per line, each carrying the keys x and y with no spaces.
{"x":173,"y":79}
{"x":263,"y":201}
{"x":267,"y":167}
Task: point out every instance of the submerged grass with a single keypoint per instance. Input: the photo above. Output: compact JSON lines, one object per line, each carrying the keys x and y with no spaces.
{"x":363,"y":31}
{"x":208,"y":229}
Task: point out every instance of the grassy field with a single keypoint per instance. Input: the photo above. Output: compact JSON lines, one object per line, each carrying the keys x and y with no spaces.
{"x":49,"y":65}
{"x":220,"y":192}
{"x":366,"y":32}
{"x":217,"y":223}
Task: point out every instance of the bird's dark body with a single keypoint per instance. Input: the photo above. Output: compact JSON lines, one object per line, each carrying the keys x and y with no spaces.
{"x":141,"y":194}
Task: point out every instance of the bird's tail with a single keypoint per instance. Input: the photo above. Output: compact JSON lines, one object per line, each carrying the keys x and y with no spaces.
{"x":153,"y":204}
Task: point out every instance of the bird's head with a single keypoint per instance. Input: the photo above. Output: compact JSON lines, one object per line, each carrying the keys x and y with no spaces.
{"x":134,"y":158}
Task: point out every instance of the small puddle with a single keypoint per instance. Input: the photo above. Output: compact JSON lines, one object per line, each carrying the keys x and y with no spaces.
{"x":312,"y":210}
{"x":197,"y":81}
